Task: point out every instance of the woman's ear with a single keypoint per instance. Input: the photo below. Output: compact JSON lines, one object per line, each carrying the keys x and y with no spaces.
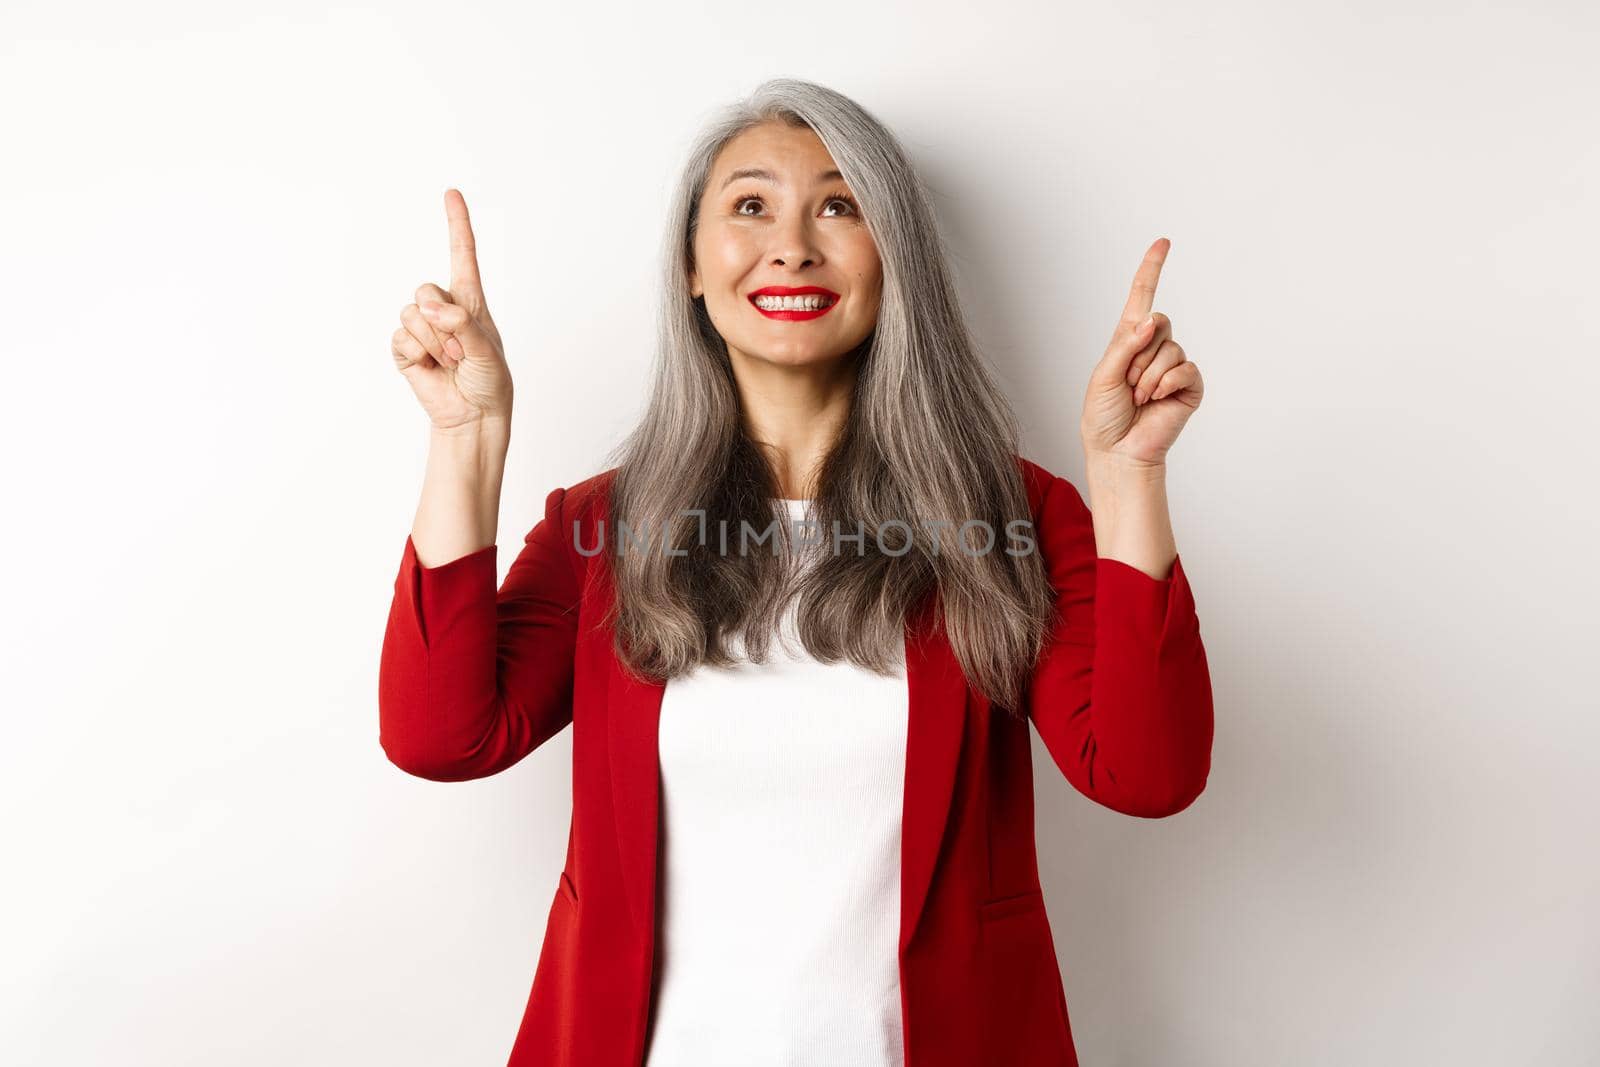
{"x":694,"y":284}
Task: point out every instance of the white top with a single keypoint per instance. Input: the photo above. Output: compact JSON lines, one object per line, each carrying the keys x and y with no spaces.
{"x":779,"y":914}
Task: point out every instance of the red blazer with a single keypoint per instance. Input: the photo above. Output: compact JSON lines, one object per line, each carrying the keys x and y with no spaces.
{"x":473,"y":679}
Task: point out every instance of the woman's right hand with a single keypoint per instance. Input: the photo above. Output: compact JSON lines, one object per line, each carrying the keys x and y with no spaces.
{"x":447,"y":345}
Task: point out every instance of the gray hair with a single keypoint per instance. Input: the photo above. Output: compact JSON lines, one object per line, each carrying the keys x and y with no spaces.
{"x":928,"y":434}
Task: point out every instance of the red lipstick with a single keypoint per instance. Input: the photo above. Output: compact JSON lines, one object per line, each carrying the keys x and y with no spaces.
{"x":795,"y":315}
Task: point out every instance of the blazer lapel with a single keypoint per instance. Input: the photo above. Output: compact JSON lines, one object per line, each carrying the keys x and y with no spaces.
{"x":938,"y":704}
{"x":937,"y":712}
{"x":633,"y":718}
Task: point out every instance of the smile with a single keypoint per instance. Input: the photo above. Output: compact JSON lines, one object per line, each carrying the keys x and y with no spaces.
{"x":793,"y":304}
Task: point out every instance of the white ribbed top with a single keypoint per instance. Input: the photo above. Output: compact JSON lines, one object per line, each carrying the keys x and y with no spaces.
{"x":779,"y":912}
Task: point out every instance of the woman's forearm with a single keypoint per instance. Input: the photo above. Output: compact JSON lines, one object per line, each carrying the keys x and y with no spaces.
{"x":1131,"y":522}
{"x":459,"y":512}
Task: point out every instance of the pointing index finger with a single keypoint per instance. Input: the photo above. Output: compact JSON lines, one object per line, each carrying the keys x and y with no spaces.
{"x":1142,"y":297}
{"x":463,"y":248}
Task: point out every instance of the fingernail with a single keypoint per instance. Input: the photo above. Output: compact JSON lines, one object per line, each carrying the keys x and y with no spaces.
{"x":431,"y":309}
{"x":1146,"y":323}
{"x":1138,"y":397}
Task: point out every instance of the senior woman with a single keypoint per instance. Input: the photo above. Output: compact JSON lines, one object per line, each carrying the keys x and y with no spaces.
{"x":802,"y":818}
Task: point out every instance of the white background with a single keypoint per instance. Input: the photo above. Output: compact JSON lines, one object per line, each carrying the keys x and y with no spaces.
{"x":1383,"y":222}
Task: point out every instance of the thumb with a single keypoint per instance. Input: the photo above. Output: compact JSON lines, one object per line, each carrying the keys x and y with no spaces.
{"x":1127,"y":343}
{"x":454,"y":323}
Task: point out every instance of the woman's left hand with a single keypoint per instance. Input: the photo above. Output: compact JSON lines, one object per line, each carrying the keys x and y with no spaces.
{"x":1144,"y":389}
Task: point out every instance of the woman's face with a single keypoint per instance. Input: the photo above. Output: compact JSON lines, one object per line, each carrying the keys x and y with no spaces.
{"x":795,"y":226}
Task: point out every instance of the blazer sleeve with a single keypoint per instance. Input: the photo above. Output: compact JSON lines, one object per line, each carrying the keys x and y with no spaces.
{"x":1122,"y":693}
{"x":472,"y":679}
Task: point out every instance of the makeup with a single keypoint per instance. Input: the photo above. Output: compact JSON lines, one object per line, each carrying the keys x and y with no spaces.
{"x":794,"y":303}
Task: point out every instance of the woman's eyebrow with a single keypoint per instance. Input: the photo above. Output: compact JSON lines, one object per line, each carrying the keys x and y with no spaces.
{"x":767,"y":176}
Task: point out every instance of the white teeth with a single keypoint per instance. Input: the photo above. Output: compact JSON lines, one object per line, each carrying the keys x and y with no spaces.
{"x":810,"y":302}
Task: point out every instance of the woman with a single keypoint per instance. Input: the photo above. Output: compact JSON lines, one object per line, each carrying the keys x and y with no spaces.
{"x":824,"y":752}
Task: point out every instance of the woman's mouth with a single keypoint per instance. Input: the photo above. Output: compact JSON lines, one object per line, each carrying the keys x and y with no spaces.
{"x":794,"y":304}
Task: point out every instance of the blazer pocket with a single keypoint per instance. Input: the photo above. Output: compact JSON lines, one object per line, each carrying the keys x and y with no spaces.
{"x":1023,"y":1018}
{"x":1016,"y":904}
{"x":567,"y":888}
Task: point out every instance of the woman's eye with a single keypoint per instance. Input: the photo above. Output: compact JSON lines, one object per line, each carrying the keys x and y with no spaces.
{"x":738,"y":205}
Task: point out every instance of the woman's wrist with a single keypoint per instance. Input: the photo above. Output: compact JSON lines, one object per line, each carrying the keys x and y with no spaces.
{"x":1128,"y":505}
{"x":486,"y":433}
{"x":1123,"y":468}
{"x":460,"y":508}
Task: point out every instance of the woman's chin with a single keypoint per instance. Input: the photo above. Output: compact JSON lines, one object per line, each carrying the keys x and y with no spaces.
{"x":793,"y":351}
{"x":798,"y":357}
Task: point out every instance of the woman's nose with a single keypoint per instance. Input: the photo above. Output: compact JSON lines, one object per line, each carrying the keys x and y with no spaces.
{"x":795,"y":245}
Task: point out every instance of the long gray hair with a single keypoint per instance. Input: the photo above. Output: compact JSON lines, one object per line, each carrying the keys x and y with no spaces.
{"x":928,"y":437}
